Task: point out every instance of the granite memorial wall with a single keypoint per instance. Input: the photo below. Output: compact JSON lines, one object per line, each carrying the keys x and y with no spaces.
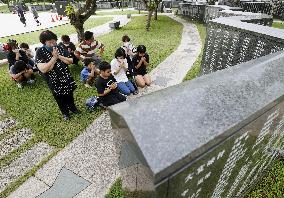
{"x":214,"y":137}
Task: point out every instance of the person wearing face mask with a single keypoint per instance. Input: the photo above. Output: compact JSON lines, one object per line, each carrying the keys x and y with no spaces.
{"x":87,"y":48}
{"x":53,"y":61}
{"x":119,"y":67}
{"x":69,"y":47}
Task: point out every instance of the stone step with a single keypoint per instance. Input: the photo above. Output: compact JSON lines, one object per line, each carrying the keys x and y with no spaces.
{"x":6,"y":124}
{"x":14,"y":141}
{"x":23,"y":163}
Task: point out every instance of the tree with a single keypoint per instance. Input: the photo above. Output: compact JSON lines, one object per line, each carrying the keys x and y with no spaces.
{"x":150,"y":6}
{"x":157,"y":2}
{"x":78,"y":17}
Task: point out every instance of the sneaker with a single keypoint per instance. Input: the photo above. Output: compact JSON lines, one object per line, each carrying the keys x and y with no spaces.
{"x":66,"y":117}
{"x":88,"y":86}
{"x":31,"y":81}
{"x":20,"y":86}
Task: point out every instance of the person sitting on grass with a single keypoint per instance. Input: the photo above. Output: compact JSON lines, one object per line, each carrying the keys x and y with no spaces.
{"x":140,"y":62}
{"x":128,"y":47}
{"x":87,"y":48}
{"x":119,"y":67}
{"x":21,"y":73}
{"x":15,"y":53}
{"x":69,"y":47}
{"x":25,"y":47}
{"x":89,"y":73}
{"x":107,"y":87}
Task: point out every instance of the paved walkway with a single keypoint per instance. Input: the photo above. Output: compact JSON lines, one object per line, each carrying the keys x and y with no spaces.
{"x":18,"y":28}
{"x":93,"y":156}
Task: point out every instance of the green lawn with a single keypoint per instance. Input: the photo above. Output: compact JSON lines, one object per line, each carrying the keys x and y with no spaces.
{"x":278,"y":25}
{"x":121,"y":12}
{"x":34,"y":107}
{"x":4,"y":9}
{"x":33,"y":38}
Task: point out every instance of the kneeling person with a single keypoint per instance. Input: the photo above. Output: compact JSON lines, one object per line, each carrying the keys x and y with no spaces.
{"x":141,"y":62}
{"x":21,"y":73}
{"x":89,"y":73}
{"x":119,"y":67}
{"x":107,"y":87}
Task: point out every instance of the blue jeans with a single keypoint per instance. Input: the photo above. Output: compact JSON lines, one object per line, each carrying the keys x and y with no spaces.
{"x":126,"y":87}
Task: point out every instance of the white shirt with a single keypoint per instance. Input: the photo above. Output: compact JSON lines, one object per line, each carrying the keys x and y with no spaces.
{"x":128,"y":47}
{"x":121,"y":76}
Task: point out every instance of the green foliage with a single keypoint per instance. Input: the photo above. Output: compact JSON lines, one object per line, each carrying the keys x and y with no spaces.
{"x":272,"y":185}
{"x":121,"y":12}
{"x":33,"y":37}
{"x":116,"y":190}
{"x":278,"y":25}
{"x":69,"y":10}
{"x":4,"y":9}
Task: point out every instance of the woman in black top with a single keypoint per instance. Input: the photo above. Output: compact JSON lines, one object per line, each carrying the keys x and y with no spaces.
{"x":140,"y":62}
{"x":52,"y":61}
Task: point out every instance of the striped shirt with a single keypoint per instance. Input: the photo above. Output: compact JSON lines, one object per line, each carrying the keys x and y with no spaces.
{"x":88,"y":50}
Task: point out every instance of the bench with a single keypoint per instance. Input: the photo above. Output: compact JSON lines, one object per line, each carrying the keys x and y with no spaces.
{"x":114,"y":24}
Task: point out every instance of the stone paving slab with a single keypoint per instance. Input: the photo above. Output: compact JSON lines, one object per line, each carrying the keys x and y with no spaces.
{"x":25,"y":162}
{"x":14,"y":141}
{"x":67,"y":185}
{"x":93,"y":156}
{"x":6,"y":124}
{"x":25,"y":190}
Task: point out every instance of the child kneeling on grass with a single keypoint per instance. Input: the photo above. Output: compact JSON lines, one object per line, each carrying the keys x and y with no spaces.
{"x":107,"y":87}
{"x":141,"y":62}
{"x":119,"y":67}
{"x":89,"y":73}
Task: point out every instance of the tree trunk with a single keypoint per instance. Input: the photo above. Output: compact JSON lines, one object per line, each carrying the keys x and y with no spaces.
{"x":80,"y":31}
{"x":150,"y":12}
{"x":156,"y":13}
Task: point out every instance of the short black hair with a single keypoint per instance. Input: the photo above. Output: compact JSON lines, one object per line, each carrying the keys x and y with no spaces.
{"x":47,"y":35}
{"x":65,"y":38}
{"x":120,"y":52}
{"x":87,"y":61}
{"x":104,"y":66}
{"x":141,"y":48}
{"x":125,"y":38}
{"x":24,"y":45}
{"x":88,"y":35}
{"x":20,"y":66}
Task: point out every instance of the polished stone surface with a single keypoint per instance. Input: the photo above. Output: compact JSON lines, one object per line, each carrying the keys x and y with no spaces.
{"x":190,"y":116}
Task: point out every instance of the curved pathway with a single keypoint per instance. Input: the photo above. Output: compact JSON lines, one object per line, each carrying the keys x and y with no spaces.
{"x":92,"y":158}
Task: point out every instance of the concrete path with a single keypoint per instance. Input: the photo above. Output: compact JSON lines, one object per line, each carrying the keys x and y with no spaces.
{"x":94,"y":156}
{"x":18,"y":28}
